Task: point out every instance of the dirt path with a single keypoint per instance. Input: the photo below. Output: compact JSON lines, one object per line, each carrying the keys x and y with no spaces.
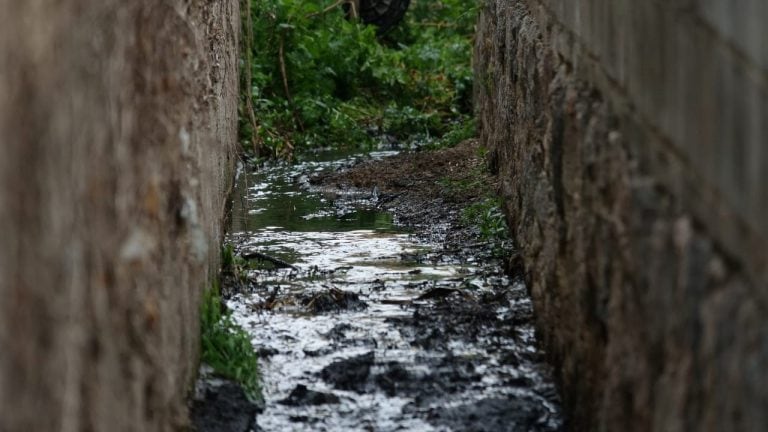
{"x":396,"y":315}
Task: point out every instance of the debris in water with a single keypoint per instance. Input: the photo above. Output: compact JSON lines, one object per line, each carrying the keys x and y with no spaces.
{"x":264,"y":257}
{"x":301,"y":395}
{"x":333,"y":300}
{"x":437,"y":293}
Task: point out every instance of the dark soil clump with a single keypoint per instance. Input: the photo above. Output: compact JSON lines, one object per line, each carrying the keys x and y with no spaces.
{"x":349,"y":374}
{"x":224,"y":407}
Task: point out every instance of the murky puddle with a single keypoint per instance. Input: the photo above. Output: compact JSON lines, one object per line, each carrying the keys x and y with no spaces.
{"x":353,"y":337}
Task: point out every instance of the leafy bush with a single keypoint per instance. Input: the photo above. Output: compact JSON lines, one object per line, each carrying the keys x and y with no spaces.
{"x":318,"y":79}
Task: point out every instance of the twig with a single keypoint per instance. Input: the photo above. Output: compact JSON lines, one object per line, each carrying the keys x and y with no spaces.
{"x":256,"y":140}
{"x":464,"y":247}
{"x":276,"y":261}
{"x":396,"y":302}
{"x":439,"y":25}
{"x":284,"y":75}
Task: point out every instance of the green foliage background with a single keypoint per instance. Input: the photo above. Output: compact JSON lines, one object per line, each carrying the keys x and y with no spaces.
{"x":346,"y":87}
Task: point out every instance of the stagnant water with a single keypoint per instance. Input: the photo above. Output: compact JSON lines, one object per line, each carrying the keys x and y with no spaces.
{"x":346,"y":342}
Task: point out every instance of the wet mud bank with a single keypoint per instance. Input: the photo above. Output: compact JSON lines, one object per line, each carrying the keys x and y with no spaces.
{"x":391,"y":313}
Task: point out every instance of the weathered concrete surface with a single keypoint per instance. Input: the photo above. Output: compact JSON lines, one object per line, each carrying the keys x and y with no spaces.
{"x":117,"y":130}
{"x":631,"y":140}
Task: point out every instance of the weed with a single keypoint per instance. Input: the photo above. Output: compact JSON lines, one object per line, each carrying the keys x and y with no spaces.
{"x":233,"y":264}
{"x":487,"y":216}
{"x":226,"y":347}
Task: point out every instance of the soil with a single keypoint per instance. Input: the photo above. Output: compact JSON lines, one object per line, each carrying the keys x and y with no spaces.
{"x":476,"y":364}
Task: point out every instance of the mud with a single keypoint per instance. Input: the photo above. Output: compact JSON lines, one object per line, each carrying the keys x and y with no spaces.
{"x":394,"y":315}
{"x":223,"y":406}
{"x":349,"y":374}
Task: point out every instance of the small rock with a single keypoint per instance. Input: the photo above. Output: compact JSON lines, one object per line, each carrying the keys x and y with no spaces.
{"x":301,"y":396}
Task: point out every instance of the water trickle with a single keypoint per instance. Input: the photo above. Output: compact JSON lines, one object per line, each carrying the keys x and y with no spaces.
{"x":350,"y":336}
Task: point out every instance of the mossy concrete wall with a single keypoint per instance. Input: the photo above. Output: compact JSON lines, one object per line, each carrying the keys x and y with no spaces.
{"x":630,"y":137}
{"x":118,"y":124}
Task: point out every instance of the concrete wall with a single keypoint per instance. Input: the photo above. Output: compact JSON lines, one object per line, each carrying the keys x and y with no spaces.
{"x":631,"y":140}
{"x":118,"y":121}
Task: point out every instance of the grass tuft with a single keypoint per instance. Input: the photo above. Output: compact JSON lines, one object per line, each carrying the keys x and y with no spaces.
{"x":226,"y":347}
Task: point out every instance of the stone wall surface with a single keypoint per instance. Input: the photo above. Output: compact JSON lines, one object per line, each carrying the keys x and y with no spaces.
{"x":631,"y":137}
{"x":118,"y":123}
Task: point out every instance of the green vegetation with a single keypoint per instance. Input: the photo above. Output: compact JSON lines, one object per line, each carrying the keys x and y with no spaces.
{"x":233,"y":264}
{"x":484,"y":212}
{"x":487,"y":216}
{"x":489,"y":219}
{"x":315,"y":79}
{"x":226,"y":347}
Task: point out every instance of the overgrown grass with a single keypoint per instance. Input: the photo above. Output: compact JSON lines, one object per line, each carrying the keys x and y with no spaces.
{"x":226,"y":347}
{"x":316,"y":79}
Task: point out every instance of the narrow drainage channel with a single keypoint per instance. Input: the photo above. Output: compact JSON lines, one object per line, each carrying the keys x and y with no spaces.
{"x":373,"y":327}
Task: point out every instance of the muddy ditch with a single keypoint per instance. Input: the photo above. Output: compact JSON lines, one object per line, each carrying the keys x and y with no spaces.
{"x":374,"y":306}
